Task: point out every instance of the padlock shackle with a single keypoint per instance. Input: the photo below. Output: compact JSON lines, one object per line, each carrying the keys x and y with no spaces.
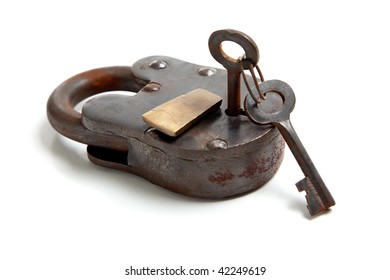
{"x":67,"y":121}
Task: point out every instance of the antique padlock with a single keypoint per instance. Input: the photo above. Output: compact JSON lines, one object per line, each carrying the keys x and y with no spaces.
{"x":184,"y":129}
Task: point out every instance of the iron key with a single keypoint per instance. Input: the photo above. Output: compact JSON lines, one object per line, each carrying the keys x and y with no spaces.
{"x":318,"y":196}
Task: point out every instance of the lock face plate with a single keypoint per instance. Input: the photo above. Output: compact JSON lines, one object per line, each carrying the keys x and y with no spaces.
{"x":219,"y":156}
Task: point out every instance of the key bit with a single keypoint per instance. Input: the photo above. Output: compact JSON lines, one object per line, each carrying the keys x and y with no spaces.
{"x":314,"y":202}
{"x":318,"y":196}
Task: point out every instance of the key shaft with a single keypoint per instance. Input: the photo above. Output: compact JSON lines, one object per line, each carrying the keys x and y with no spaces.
{"x":318,"y":196}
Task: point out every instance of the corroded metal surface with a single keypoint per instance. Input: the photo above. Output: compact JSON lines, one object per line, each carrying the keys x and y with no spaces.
{"x":220,"y":156}
{"x":195,"y":163}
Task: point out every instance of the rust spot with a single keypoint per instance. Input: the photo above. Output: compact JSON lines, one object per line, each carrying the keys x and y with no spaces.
{"x":221,"y":178}
{"x":259,"y":167}
{"x":264,"y":164}
{"x":250,"y":171}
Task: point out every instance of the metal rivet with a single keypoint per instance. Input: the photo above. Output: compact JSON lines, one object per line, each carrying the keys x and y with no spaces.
{"x":158,"y":64}
{"x":152,"y":132}
{"x":217,"y":144}
{"x":206,"y":71}
{"x":151,"y":87}
{"x":150,"y":129}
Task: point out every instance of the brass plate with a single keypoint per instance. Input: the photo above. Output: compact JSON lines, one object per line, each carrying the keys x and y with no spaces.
{"x":177,"y":115}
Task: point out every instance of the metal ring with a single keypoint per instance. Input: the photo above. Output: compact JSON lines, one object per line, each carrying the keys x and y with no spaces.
{"x":246,"y":42}
{"x":284,"y":91}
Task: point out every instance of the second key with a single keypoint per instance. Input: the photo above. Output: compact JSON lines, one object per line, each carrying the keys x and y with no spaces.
{"x":318,"y":196}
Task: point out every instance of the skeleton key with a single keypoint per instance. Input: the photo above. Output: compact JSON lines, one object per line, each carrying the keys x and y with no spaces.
{"x":318,"y":196}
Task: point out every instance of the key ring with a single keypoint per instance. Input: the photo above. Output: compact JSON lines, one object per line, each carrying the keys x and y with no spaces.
{"x":261,"y":95}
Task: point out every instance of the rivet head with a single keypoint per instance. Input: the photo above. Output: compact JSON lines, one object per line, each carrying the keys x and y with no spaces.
{"x":158,"y":64}
{"x":151,"y":87}
{"x":217,"y":144}
{"x":149,"y":130}
{"x":206,"y":71}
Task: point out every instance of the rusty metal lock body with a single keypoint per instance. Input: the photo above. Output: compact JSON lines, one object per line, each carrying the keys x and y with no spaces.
{"x":220,"y":156}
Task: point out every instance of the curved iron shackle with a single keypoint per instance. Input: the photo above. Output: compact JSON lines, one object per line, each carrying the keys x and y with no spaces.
{"x":67,"y":121}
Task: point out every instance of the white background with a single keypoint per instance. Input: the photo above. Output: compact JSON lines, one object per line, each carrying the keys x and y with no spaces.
{"x":61,"y":217}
